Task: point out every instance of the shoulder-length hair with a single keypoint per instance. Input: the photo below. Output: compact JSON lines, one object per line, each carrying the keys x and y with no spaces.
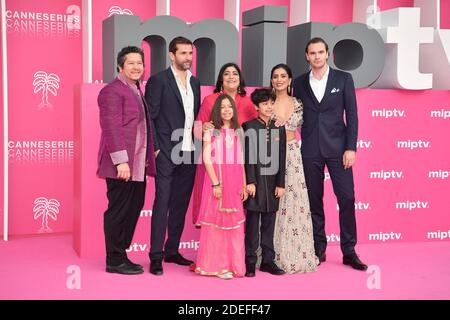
{"x":219,"y":82}
{"x":216,"y":110}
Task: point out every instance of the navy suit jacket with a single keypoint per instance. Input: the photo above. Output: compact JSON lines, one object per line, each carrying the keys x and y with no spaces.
{"x":324,"y":132}
{"x":166,"y":108}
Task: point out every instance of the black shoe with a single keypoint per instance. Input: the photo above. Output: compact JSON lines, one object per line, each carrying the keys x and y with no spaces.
{"x":250,"y":271}
{"x":178,"y":259}
{"x":156,"y":267}
{"x":135,"y":265}
{"x":124,"y":268}
{"x":354,"y":262}
{"x":271,"y":268}
{"x":322,"y":256}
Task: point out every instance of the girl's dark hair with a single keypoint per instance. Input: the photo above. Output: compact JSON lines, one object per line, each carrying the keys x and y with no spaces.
{"x":216,"y":110}
{"x":288,"y":71}
{"x":219,"y":82}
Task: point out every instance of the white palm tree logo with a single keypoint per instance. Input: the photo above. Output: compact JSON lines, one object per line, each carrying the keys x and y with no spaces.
{"x":46,"y":83}
{"x":119,"y":10}
{"x":43,"y":209}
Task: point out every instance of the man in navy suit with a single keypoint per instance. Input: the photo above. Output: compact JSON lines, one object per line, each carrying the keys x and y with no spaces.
{"x":173,"y":96}
{"x":327,"y":94}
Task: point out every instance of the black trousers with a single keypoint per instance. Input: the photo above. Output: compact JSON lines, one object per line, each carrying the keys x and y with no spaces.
{"x":173,"y":184}
{"x":252,"y":231}
{"x":125,"y":202}
{"x":343,"y":187}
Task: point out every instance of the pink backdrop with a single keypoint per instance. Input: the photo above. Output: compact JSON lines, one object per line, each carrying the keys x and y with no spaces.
{"x":42,"y":44}
{"x":38,"y":42}
{"x":1,"y":142}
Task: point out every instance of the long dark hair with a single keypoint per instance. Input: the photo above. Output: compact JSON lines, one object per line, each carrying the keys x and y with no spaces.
{"x":219,"y":82}
{"x":288,"y":71}
{"x":216,"y":110}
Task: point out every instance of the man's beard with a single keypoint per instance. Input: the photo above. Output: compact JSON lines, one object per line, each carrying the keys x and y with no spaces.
{"x":184,"y":66}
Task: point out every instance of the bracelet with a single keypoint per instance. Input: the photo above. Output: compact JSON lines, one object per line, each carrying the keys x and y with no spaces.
{"x":215,"y":185}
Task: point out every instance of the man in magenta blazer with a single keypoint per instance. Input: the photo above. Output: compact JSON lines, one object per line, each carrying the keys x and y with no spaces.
{"x":125,"y":157}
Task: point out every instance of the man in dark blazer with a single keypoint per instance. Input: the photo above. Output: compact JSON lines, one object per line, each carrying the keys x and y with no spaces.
{"x":125,"y":157}
{"x":327,"y":94}
{"x":173,"y":96}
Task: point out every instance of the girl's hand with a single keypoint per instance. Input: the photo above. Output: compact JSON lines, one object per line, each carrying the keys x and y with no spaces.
{"x":244,"y":194}
{"x":207,"y":126}
{"x":217,"y":191}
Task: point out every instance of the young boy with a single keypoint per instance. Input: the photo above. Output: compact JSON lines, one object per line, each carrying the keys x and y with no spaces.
{"x":265,"y":163}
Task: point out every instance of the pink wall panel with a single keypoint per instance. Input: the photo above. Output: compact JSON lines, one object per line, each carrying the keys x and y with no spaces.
{"x":1,"y":140}
{"x":445,"y":14}
{"x":333,"y":11}
{"x":196,"y":10}
{"x":101,"y":9}
{"x":390,"y":4}
{"x":47,"y":47}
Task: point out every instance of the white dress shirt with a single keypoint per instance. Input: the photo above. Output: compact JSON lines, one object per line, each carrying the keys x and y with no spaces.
{"x":187,"y":95}
{"x":318,"y":86}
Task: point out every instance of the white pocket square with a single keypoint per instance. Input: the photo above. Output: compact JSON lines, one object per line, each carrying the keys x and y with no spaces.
{"x":334,"y":90}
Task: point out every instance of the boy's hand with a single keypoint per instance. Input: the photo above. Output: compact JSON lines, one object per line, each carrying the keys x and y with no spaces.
{"x":279,"y":192}
{"x":251,"y":189}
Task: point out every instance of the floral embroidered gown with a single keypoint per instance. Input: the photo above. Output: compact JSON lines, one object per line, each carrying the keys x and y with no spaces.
{"x":293,"y":237}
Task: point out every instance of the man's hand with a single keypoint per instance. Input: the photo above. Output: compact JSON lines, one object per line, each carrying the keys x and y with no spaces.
{"x":349,"y":159}
{"x":123,"y":171}
{"x":156,"y":153}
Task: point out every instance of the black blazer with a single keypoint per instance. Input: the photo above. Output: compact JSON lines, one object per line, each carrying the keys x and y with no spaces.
{"x":264,"y":200}
{"x":324,"y":132}
{"x":166,"y":108}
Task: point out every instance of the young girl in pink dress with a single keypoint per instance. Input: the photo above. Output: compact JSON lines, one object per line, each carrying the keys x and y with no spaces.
{"x":222,"y":249}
